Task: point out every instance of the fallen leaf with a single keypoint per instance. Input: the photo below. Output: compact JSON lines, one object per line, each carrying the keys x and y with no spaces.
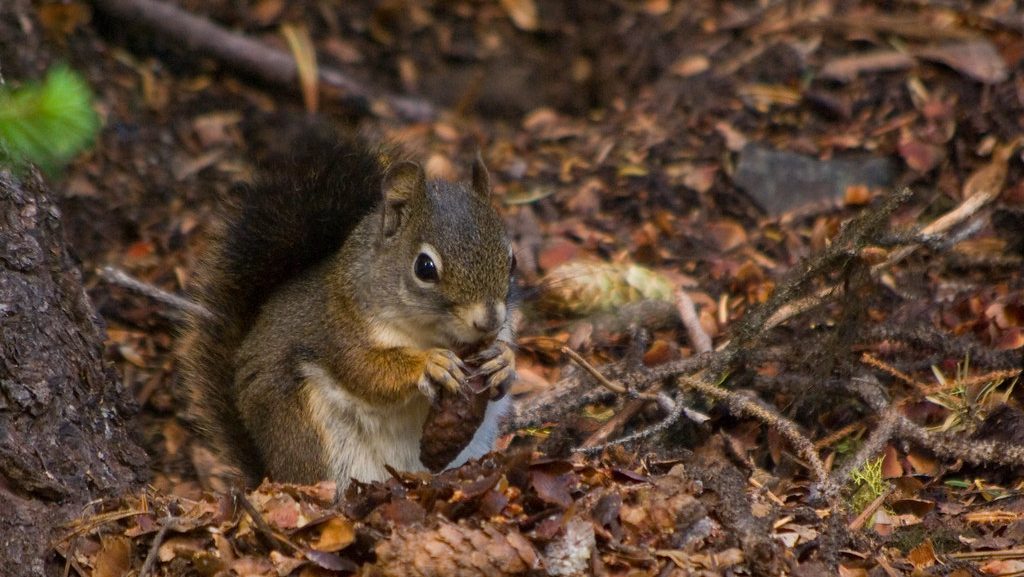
{"x":114,"y":558}
{"x":977,"y":59}
{"x":335,"y":535}
{"x":61,"y":20}
{"x":922,"y":556}
{"x":921,"y":156}
{"x":552,"y":489}
{"x":522,"y":12}
{"x":266,"y":12}
{"x":690,"y":65}
{"x":726,"y":234}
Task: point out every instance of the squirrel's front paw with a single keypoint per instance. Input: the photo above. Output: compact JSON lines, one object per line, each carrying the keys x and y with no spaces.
{"x":443,"y":369}
{"x":499,"y":367}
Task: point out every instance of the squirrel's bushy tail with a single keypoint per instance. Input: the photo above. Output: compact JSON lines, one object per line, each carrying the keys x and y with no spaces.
{"x":291,"y":219}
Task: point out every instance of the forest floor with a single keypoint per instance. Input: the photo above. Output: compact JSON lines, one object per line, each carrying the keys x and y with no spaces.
{"x":856,"y":410}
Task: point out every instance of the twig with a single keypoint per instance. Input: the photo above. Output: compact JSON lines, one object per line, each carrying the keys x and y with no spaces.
{"x":688,"y":314}
{"x":967,"y":449}
{"x":262,"y":527}
{"x":579,"y":360}
{"x":679,"y":409}
{"x":179,"y":305}
{"x":873,"y":445}
{"x":768,"y":492}
{"x":632,"y":407}
{"x":154,"y":548}
{"x":982,"y":187}
{"x":253,"y":57}
{"x":598,"y":439}
{"x":741,"y":405}
{"x":837,"y":436}
{"x":858,"y":522}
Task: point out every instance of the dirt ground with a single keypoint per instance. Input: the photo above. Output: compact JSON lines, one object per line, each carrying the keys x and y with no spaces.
{"x":747,"y":152}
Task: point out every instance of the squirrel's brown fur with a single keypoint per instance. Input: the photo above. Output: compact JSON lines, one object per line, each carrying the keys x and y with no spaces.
{"x":321,"y":344}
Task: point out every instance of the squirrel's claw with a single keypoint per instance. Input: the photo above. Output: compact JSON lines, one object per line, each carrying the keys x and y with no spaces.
{"x":500,"y":369}
{"x":443,"y":369}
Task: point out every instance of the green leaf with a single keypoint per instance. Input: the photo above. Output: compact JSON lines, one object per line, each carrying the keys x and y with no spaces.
{"x":46,"y":123}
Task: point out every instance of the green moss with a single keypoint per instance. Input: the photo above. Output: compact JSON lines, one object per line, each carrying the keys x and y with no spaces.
{"x":944,"y":539}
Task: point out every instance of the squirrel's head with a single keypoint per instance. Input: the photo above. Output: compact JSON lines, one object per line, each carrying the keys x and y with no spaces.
{"x":447,"y":248}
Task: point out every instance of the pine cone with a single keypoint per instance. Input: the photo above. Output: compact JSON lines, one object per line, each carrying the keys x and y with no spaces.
{"x":453,"y":550}
{"x":583,"y":288}
{"x":451,"y":424}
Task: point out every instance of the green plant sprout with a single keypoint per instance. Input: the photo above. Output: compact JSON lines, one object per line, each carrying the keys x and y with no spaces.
{"x":46,"y":123}
{"x":967,"y":400}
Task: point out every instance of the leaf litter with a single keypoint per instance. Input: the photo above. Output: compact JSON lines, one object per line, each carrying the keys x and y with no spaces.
{"x":794,"y":301}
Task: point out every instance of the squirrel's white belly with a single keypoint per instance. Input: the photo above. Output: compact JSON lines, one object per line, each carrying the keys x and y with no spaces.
{"x":362,"y":438}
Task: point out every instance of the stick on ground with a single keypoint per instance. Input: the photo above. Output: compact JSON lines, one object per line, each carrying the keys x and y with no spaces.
{"x":250,"y":56}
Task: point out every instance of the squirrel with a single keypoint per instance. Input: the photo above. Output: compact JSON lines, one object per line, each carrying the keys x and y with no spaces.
{"x":345,"y":292}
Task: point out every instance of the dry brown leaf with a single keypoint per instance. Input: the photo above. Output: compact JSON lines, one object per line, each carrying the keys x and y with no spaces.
{"x":553,"y":489}
{"x":335,"y":535}
{"x":891,"y":467}
{"x":266,"y":12}
{"x":61,"y":20}
{"x":522,"y":12}
{"x":1001,"y":567}
{"x":114,"y":558}
{"x":922,"y":556}
{"x":180,"y":546}
{"x":977,"y":59}
{"x":282,"y":512}
{"x":175,"y":437}
{"x":690,"y":65}
{"x":285,"y":565}
{"x":921,"y":156}
{"x":923,"y":464}
{"x":726,"y":234}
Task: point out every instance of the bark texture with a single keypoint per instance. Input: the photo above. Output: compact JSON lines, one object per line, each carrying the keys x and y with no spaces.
{"x":63,"y":434}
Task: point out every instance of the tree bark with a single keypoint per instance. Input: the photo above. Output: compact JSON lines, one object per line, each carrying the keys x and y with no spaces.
{"x":63,"y":415}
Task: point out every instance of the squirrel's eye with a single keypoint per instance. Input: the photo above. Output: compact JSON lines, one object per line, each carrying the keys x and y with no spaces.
{"x":512,"y":267}
{"x":425,"y":269}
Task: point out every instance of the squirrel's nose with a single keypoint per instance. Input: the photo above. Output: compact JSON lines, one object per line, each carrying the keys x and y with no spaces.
{"x":489,"y":318}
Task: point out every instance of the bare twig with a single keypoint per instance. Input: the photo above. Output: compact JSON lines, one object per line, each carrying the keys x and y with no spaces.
{"x":154,"y":548}
{"x":967,"y":449}
{"x":688,"y":314}
{"x":637,"y":400}
{"x":579,"y":360}
{"x":177,"y":304}
{"x":741,"y":405}
{"x":873,"y":445}
{"x":982,"y":187}
{"x":858,"y":522}
{"x":598,"y":440}
{"x":253,"y":57}
{"x":272,"y":537}
{"x":594,"y":444}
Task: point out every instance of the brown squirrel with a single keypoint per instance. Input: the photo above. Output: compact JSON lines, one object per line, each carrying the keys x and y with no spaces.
{"x":342,"y":297}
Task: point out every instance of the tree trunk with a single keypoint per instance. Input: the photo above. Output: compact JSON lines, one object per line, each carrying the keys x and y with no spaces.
{"x":63,"y":434}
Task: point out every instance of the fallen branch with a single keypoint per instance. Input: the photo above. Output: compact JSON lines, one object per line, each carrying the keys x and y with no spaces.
{"x":252,"y":57}
{"x":179,"y":306}
{"x":701,"y":342}
{"x":739,"y":404}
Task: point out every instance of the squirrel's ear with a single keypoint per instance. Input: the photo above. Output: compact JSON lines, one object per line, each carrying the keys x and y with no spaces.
{"x":402,"y":183}
{"x":481,"y":178}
